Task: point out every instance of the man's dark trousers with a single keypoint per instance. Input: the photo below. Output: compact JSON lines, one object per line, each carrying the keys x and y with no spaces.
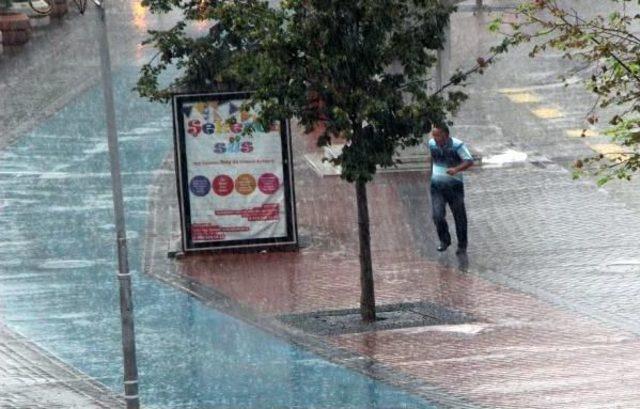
{"x":452,"y":194}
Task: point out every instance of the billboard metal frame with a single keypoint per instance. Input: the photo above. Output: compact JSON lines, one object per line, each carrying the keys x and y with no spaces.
{"x":288,"y":242}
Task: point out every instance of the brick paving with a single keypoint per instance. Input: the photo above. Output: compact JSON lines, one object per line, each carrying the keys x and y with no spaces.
{"x":554,"y":289}
{"x":551,"y":274}
{"x":32,"y":379}
{"x":36,"y":81}
{"x":523,"y":351}
{"x":61,"y":61}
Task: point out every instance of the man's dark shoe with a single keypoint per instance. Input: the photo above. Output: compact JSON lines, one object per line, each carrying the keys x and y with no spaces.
{"x":461,"y":250}
{"x":443,"y":246}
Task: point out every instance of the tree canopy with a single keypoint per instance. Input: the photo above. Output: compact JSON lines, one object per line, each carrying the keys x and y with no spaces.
{"x":357,"y":69}
{"x":319,"y":61}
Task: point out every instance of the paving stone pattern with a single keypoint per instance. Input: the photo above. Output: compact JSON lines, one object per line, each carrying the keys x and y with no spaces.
{"x":388,"y":316}
{"x":36,"y":81}
{"x":551,"y":273}
{"x":522,"y":351}
{"x":32,"y":379}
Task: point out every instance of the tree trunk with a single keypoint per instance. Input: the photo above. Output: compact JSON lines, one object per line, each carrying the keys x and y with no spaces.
{"x":367,"y":297}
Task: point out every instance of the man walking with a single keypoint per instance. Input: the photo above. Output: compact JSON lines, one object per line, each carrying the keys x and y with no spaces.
{"x":449,"y":158}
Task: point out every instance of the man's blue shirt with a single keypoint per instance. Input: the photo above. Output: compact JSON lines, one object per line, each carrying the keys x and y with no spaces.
{"x":452,"y":154}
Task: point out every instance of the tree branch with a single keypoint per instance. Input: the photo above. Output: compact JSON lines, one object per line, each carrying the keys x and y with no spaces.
{"x":476,"y":68}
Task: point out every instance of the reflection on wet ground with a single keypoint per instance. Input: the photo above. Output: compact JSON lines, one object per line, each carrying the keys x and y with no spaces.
{"x":58,"y":287}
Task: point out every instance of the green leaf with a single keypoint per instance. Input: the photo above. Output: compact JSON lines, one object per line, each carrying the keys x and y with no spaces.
{"x":603,"y":180}
{"x":495,"y":25}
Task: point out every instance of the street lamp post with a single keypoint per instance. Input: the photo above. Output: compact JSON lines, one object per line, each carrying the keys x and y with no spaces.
{"x":124,"y":275}
{"x":444,"y":54}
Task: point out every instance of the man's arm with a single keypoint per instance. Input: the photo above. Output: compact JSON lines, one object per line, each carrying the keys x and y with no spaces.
{"x":467,"y":161}
{"x":460,"y":168}
{"x":430,"y":154}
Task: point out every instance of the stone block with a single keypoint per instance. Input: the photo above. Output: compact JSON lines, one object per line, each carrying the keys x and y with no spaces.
{"x":60,"y":8}
{"x":14,"y":21}
{"x":15,"y":37}
{"x":15,"y":27}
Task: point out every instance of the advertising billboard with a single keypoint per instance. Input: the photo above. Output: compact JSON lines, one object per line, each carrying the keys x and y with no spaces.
{"x":235,"y":176}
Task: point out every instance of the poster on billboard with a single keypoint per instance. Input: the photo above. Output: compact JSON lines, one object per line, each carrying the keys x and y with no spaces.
{"x":235,"y":176}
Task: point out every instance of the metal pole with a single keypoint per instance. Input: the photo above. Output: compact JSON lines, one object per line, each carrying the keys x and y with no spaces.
{"x":444,"y":55}
{"x":124,"y":276}
{"x":444,"y":58}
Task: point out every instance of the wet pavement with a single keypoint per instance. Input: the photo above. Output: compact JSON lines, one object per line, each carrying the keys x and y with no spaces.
{"x":550,"y":280}
{"x":33,"y":378}
{"x":551,"y":275}
{"x":61,"y":292}
{"x":59,"y":63}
